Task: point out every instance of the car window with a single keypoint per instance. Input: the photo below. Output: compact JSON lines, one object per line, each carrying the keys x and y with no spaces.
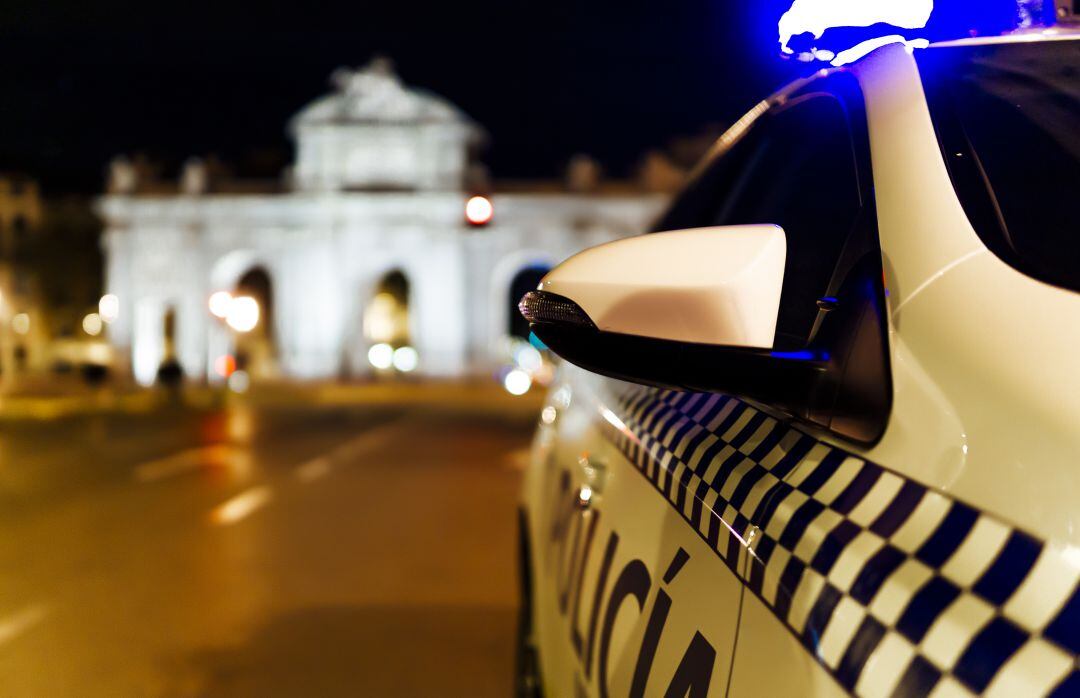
{"x":796,"y":169}
{"x":1007,"y":118}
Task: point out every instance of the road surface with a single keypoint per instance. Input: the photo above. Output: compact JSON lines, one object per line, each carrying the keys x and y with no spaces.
{"x":248,"y":551}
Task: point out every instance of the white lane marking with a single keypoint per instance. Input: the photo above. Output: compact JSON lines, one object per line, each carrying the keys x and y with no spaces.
{"x":241,"y":506}
{"x":18,"y":623}
{"x":313,"y":469}
{"x":185,"y":461}
{"x":320,"y":467}
{"x":368,"y":440}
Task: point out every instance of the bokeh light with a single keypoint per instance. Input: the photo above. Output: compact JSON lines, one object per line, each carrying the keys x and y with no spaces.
{"x":92,"y":324}
{"x":479,"y":210}
{"x":528,"y":358}
{"x":517,"y":382}
{"x":224,"y":365}
{"x":239,"y":381}
{"x":243,"y":314}
{"x":109,"y":307}
{"x":381,"y":355}
{"x":405,"y":359}
{"x":20,"y":324}
{"x":219,"y":303}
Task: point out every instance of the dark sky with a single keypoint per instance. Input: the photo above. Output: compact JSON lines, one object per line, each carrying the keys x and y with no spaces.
{"x":85,"y":80}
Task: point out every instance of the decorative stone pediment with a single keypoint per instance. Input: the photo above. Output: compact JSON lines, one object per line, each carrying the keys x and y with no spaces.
{"x":374,"y":132}
{"x":375,"y":93}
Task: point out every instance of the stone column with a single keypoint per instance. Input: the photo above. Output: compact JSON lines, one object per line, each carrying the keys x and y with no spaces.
{"x":310,"y":309}
{"x":437,"y":308}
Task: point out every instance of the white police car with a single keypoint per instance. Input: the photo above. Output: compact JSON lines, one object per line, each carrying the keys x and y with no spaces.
{"x":857,"y":468}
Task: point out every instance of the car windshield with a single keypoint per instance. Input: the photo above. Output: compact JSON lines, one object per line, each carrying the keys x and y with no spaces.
{"x":1008,"y":119}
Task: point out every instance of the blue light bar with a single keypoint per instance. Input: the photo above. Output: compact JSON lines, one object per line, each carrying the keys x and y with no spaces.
{"x":842,"y":31}
{"x":815,"y":17}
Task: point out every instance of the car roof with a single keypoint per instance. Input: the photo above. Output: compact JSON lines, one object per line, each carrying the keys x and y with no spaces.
{"x":1059,"y":33}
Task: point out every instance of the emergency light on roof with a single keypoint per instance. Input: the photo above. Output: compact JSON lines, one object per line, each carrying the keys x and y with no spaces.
{"x":816,"y":16}
{"x":842,"y":31}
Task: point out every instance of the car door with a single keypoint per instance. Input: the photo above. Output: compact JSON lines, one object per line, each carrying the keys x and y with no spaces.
{"x":626,"y":561}
{"x":645,"y":497}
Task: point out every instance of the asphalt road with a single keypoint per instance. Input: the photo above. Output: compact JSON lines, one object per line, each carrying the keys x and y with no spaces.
{"x":259,"y":552}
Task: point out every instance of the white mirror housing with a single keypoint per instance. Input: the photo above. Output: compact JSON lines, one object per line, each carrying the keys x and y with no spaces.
{"x":716,"y":286}
{"x":697,"y":310}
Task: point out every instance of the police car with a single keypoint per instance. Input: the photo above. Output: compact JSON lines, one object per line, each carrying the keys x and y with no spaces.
{"x":820,"y":434}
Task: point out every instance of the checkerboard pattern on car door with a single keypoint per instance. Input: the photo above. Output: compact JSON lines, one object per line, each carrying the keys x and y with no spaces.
{"x":896,"y":589}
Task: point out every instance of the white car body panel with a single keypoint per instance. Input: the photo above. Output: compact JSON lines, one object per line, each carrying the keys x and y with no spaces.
{"x":985,"y":348}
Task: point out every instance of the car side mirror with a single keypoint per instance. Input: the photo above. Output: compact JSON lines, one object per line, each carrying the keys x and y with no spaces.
{"x":714,"y":286}
{"x":697,"y":310}
{"x":688,"y":309}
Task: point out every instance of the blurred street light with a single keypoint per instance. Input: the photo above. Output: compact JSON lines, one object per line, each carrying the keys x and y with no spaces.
{"x":21,"y":323}
{"x":239,"y":381}
{"x":219,"y":304}
{"x":224,"y":365}
{"x":109,"y":307}
{"x":479,"y":210}
{"x":381,"y":355}
{"x":517,"y":382}
{"x":405,"y":359}
{"x":242,"y":314}
{"x":528,"y":358}
{"x":92,"y":324}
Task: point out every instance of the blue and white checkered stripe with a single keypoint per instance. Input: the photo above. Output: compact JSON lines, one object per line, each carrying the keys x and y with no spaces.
{"x":896,"y":589}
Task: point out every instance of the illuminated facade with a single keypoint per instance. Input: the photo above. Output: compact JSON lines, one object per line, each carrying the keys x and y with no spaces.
{"x":23,"y":336}
{"x":378,"y":191}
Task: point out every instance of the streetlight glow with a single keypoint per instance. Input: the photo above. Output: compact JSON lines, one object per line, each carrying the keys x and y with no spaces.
{"x":243,"y":314}
{"x":224,"y":365}
{"x":239,"y":381}
{"x":109,"y":307}
{"x":406,"y":359}
{"x":92,"y":324}
{"x":479,"y":210}
{"x":381,"y":355}
{"x":219,"y":304}
{"x":21,"y":323}
{"x":517,"y":382}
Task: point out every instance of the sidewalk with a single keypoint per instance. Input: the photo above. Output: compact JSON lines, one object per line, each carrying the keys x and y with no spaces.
{"x":471,"y":396}
{"x":480,"y":397}
{"x":20,"y":407}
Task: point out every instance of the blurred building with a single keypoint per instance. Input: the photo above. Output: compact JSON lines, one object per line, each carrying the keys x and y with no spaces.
{"x":50,"y":281}
{"x":23,"y":339}
{"x":365,"y":241}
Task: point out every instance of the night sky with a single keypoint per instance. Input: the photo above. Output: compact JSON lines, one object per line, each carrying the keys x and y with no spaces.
{"x":83,"y":81}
